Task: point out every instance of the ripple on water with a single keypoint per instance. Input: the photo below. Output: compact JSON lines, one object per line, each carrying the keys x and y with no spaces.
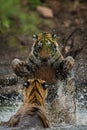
{"x":6,"y":111}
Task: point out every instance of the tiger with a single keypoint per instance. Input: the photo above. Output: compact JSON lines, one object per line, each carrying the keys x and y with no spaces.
{"x":32,"y":113}
{"x":45,"y":60}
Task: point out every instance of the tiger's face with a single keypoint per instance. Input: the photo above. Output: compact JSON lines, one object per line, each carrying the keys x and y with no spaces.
{"x":35,"y":91}
{"x":45,"y":45}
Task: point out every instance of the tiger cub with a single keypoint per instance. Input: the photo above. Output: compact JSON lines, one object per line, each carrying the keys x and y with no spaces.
{"x":45,"y":60}
{"x":32,"y":113}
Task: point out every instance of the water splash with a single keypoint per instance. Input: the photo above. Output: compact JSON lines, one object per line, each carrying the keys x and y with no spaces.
{"x":8,"y":109}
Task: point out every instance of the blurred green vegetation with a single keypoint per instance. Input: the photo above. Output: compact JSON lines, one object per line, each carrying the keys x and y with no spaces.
{"x":19,"y":17}
{"x":14,"y":16}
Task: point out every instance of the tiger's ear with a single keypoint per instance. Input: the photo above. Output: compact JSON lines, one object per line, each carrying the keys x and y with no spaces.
{"x":35,"y":37}
{"x":45,"y":85}
{"x":54,"y":36}
{"x":26,"y":84}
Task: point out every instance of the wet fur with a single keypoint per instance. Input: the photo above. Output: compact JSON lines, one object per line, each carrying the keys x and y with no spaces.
{"x":32,"y":112}
{"x":42,"y":59}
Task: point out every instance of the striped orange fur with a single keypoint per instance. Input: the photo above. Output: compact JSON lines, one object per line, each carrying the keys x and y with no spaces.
{"x":35,"y":92}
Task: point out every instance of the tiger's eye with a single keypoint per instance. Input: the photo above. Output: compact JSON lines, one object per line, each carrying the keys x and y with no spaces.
{"x":44,"y":85}
{"x":35,"y":37}
{"x":26,"y":84}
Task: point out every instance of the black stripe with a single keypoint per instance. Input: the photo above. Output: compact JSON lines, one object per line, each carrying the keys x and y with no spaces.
{"x":32,"y":92}
{"x":33,"y":62}
{"x":37,"y":92}
{"x":55,"y":61}
{"x":35,"y":101}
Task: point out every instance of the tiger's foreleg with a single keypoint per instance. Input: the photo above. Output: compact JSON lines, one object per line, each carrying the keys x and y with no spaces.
{"x":64,"y":67}
{"x":68,"y":62}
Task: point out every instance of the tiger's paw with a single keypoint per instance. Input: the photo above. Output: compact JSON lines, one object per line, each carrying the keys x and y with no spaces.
{"x":18,"y":67}
{"x":68,"y":63}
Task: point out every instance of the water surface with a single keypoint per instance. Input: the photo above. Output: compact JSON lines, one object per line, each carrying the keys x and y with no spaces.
{"x":7,"y":109}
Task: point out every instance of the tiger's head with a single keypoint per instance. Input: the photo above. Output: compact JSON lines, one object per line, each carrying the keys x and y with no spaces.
{"x":35,"y":91}
{"x":45,"y":45}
